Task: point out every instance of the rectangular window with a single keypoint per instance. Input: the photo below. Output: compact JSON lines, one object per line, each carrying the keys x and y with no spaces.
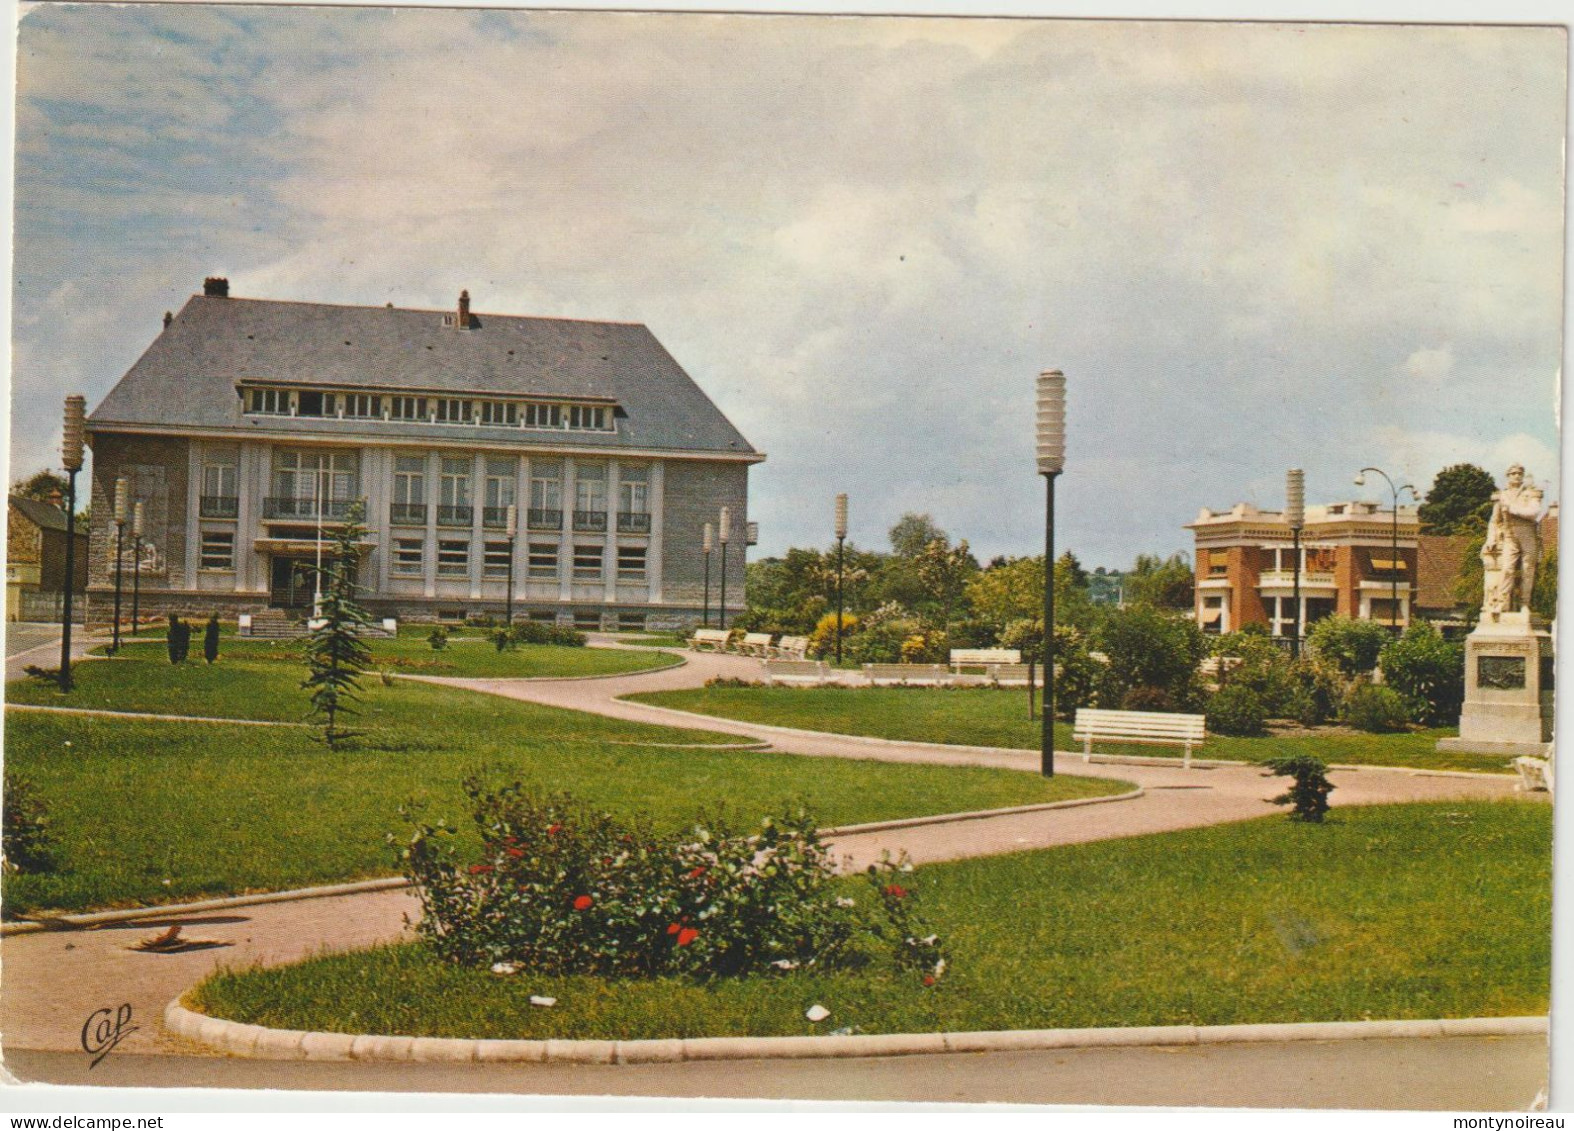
{"x":587,"y":418}
{"x":631,"y":563}
{"x":409,"y":556}
{"x":1218,"y":563}
{"x":543,"y":416}
{"x":410,"y":479}
{"x":311,"y":403}
{"x":454,"y":488}
{"x":499,"y":412}
{"x":546,"y":493}
{"x":590,"y":486}
{"x":273,"y":402}
{"x":219,"y":480}
{"x":218,"y":549}
{"x":501,"y":480}
{"x":363,"y":406}
{"x":495,"y":561}
{"x":543,"y":559}
{"x":407,"y":408}
{"x":587,"y":563}
{"x":452,"y":411}
{"x":587,"y":620}
{"x":453,"y":558}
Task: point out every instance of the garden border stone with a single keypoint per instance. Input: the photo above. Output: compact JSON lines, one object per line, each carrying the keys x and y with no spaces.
{"x":277,"y":1044}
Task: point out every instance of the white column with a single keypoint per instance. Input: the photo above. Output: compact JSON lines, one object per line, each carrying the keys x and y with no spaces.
{"x":194,"y":452}
{"x":522,"y":538}
{"x":565,"y":552}
{"x":609,"y":552}
{"x":247,"y":563}
{"x":657,"y":532}
{"x":477,"y":535}
{"x":434,"y":483}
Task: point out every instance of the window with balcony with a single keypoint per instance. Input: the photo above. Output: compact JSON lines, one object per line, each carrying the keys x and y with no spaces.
{"x":543,"y":560}
{"x":590,"y":496}
{"x":220,"y":488}
{"x":453,"y":501}
{"x":631,"y":563}
{"x":409,"y":557}
{"x":501,"y":489}
{"x":546,"y":495}
{"x":633,"y":500}
{"x":495,"y":559}
{"x":587,"y":563}
{"x":409,"y":491}
{"x":217,"y":550}
{"x":453,"y":557}
{"x":313,"y":484}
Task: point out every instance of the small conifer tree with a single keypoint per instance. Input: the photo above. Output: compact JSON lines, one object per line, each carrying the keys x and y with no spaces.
{"x":210,"y":639}
{"x":335,"y":652}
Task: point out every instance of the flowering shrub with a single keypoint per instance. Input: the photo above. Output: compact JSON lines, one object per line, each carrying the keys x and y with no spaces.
{"x":562,"y":889}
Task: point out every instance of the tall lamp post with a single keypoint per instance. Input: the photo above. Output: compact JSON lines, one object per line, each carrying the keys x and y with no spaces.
{"x":513,"y":536}
{"x":122,"y":499}
{"x":1393,"y":545}
{"x":723,"y":533}
{"x":841,"y":540}
{"x":1051,"y":461}
{"x":1295,"y":514}
{"x":71,"y":458}
{"x":136,"y":566}
{"x":705,"y":545}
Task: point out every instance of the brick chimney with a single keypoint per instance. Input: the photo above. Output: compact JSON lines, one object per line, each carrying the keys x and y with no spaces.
{"x":216,"y":286}
{"x":168,"y":318}
{"x":463,"y":321}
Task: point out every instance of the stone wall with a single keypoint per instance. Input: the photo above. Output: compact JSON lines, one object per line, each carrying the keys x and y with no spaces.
{"x":694,"y":494}
{"x":157,"y":468}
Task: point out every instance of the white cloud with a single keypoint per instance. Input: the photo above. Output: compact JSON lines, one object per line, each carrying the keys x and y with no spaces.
{"x":1430,"y":364}
{"x":1422,"y":454}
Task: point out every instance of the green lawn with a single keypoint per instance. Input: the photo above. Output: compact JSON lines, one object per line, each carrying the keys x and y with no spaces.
{"x":155,"y":811}
{"x":1389,"y":912}
{"x":991,"y":717}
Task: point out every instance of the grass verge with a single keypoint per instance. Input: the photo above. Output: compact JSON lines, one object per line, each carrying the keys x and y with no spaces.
{"x":145,"y":812}
{"x":992,"y":717}
{"x":1389,"y":912}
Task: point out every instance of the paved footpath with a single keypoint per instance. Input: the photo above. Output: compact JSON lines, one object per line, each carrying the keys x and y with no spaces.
{"x":55,"y":980}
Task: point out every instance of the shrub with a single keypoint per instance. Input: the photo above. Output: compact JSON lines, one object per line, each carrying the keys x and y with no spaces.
{"x":1237,"y":710}
{"x":1428,"y":671}
{"x":562,"y":889}
{"x":1379,"y":710}
{"x":210,"y":639}
{"x":438,"y":638}
{"x":1077,"y":673}
{"x":732,"y":681}
{"x":177,"y":642}
{"x":1320,"y":693}
{"x":1153,"y":648}
{"x":27,"y":844}
{"x":931,"y":647}
{"x":1146,"y":698}
{"x":503,"y":640}
{"x":822,"y":641}
{"x":1351,"y":645}
{"x":1310,"y":790}
{"x":565,"y":637}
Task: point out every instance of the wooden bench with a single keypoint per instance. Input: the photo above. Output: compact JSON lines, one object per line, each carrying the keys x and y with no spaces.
{"x":709,"y":639}
{"x":756,"y":644}
{"x":792,"y":647}
{"x":936,"y":674}
{"x":789,"y":670}
{"x":1153,"y":727}
{"x":984,"y":657}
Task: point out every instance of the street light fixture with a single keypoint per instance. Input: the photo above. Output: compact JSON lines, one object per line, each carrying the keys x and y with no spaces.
{"x":705,"y":545}
{"x":136,"y":566}
{"x":513,"y":536}
{"x":723,"y":532}
{"x":841,"y":539}
{"x":71,"y":443}
{"x":122,"y":507}
{"x":1295,"y":514}
{"x":1051,"y":462}
{"x":1393,"y":564}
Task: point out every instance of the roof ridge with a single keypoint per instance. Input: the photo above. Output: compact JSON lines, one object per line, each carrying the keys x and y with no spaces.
{"x":420,"y":310}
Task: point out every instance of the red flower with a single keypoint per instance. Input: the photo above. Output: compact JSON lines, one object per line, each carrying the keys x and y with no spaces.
{"x":697,"y":873}
{"x":552,"y":830}
{"x":582,"y":903}
{"x":929,"y":979}
{"x":516,"y":853}
{"x":480,"y":869}
{"x":673,"y":928}
{"x":687,"y":935}
{"x":896,"y":891}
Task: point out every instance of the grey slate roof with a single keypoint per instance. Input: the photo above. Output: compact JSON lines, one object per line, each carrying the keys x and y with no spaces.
{"x":188,"y":376}
{"x":46,"y":515}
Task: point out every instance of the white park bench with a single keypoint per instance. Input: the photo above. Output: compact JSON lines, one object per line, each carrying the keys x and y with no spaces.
{"x":984,"y":657}
{"x":1155,"y":727}
{"x":936,"y":674}
{"x":787,"y":671}
{"x":709,"y":639}
{"x":1535,"y":774}
{"x":792,"y":647}
{"x":1015,"y":675}
{"x":756,"y":644}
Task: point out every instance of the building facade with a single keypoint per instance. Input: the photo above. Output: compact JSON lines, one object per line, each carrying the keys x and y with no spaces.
{"x":35,"y":559}
{"x":1245,"y":567}
{"x":250,"y":430}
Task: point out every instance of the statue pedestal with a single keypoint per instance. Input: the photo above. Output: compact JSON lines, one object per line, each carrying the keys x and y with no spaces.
{"x":1508,"y":688}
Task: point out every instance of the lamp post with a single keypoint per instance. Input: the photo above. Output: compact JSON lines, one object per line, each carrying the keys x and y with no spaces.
{"x":723,"y":532}
{"x":705,"y":544}
{"x":1295,"y":514}
{"x":1051,"y":461}
{"x":1393,"y":544}
{"x":71,"y":458}
{"x":317,"y":573}
{"x":841,"y":539}
{"x":513,"y":537}
{"x":136,"y":566}
{"x":122,"y":499}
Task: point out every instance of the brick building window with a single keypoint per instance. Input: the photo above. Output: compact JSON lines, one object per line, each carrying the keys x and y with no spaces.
{"x":409,"y":556}
{"x":453,"y":557}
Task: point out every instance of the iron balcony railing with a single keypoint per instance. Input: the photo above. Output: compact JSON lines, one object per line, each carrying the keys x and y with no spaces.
{"x":333,"y":510}
{"x":219,"y":506}
{"x":633,"y":524}
{"x":544,"y":518}
{"x":494,"y":518}
{"x":454,"y":516}
{"x":407,"y":514}
{"x":590,"y":520}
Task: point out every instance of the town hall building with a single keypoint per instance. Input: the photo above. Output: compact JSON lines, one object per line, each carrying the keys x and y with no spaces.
{"x":251,"y":429}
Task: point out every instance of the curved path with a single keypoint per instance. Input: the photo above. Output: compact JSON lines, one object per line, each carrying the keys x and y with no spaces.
{"x":55,"y":980}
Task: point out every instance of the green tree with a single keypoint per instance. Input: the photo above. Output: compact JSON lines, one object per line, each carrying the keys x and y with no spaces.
{"x":41,"y":485}
{"x":1544,"y":597}
{"x":1353,"y":645}
{"x":912,"y":534}
{"x":943,"y":572}
{"x":1149,"y":647}
{"x":1428,"y":671}
{"x":1164,"y":583}
{"x":1459,"y":501}
{"x":335,"y":652}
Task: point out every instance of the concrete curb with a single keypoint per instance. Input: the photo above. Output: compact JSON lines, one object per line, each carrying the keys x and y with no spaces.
{"x":290,"y":1044}
{"x":463,"y":681}
{"x":140,"y":716}
{"x":391,"y":883}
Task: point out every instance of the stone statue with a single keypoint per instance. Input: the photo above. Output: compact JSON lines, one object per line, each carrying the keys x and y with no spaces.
{"x":1512,"y":549}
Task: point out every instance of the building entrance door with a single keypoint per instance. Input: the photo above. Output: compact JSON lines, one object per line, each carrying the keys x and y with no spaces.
{"x":292,"y":586}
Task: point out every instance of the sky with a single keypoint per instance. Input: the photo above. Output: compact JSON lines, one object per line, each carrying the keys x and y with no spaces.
{"x":1249,"y":246}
